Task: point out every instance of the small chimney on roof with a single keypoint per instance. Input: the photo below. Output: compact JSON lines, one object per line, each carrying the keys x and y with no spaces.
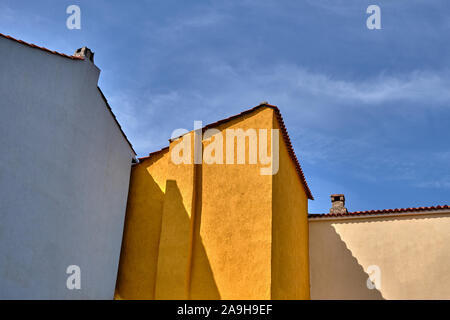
{"x":338,"y":204}
{"x":85,"y":53}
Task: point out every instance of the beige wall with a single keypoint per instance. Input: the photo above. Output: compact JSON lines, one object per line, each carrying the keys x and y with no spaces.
{"x":412,"y":252}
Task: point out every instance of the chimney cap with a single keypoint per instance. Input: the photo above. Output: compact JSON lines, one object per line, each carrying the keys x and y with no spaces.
{"x":338,"y":204}
{"x":337,"y":197}
{"x":85,"y":52}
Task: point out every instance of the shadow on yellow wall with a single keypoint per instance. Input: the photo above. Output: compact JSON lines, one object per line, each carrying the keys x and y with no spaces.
{"x":143,"y":237}
{"x":139,"y":253}
{"x":220,"y":230}
{"x":205,"y":287}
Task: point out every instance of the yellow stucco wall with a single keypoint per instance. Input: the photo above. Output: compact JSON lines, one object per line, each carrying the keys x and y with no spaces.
{"x":290,"y":256}
{"x":232,"y":247}
{"x":140,"y":244}
{"x":412,"y":253}
{"x":175,"y":244}
{"x":205,"y":231}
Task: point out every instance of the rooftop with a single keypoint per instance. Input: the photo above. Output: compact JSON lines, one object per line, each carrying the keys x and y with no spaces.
{"x":284,"y":133}
{"x":41,"y":48}
{"x":74,"y":57}
{"x":380,"y":212}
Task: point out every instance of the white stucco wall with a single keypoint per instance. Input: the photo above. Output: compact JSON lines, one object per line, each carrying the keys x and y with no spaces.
{"x":64,"y":177}
{"x":412,"y":253}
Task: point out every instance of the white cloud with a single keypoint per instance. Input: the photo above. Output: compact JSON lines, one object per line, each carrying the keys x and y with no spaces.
{"x":444,"y":184}
{"x":413,"y":86}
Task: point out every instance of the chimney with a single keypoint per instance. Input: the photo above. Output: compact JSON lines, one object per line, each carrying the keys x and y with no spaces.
{"x":85,"y":53}
{"x":338,"y":204}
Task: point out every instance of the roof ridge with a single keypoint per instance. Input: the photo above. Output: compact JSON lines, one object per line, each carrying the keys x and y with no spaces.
{"x":151,"y":154}
{"x":41,"y":48}
{"x":291,"y":151}
{"x":73,"y":58}
{"x":284,"y":132}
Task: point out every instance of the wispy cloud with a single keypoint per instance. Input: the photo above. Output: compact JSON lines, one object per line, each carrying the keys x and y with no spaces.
{"x":371,"y":105}
{"x":442,"y":184}
{"x":415,"y":86}
{"x":234,"y":88}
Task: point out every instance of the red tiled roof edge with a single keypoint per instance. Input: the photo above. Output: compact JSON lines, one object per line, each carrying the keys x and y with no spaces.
{"x":73,"y":58}
{"x":41,"y":48}
{"x":385,"y":211}
{"x":284,"y":133}
{"x":291,"y":151}
{"x":115,"y":119}
{"x":151,"y":154}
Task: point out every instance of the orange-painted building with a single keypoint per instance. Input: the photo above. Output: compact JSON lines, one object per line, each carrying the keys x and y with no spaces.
{"x":220,"y":229}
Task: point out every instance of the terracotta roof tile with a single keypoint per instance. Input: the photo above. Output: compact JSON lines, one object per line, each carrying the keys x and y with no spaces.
{"x":151,"y":154}
{"x":374,"y":212}
{"x":41,"y":48}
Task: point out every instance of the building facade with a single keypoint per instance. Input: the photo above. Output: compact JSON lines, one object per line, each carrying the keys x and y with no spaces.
{"x":403,"y":253}
{"x":218,"y":230}
{"x":64,"y":175}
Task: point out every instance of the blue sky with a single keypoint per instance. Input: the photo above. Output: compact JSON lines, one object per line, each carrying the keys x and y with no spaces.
{"x":368,"y":111}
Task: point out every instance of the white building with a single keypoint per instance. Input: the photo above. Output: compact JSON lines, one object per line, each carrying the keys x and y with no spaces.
{"x":64,"y":175}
